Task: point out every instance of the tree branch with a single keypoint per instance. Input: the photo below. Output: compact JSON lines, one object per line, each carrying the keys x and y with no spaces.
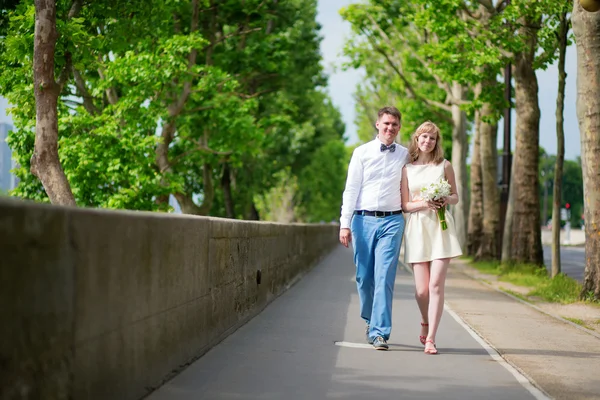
{"x":111,"y":92}
{"x":224,"y":38}
{"x":488,"y":4}
{"x":64,"y":74}
{"x":412,"y":92}
{"x":76,"y":7}
{"x":467,"y":12}
{"x":88,"y":100}
{"x":501,"y":6}
{"x":442,"y":85}
{"x":174,"y":109}
{"x":187,"y":203}
{"x":199,"y":147}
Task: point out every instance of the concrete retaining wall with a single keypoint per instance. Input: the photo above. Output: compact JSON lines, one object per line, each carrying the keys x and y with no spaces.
{"x":106,"y":305}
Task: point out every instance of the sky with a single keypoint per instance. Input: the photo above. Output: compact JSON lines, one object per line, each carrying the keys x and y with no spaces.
{"x":342,"y":84}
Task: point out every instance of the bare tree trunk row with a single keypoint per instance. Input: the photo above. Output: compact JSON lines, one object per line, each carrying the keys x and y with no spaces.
{"x":586,"y":27}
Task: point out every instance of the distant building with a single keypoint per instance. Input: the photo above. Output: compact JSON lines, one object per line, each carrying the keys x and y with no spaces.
{"x":7,"y":180}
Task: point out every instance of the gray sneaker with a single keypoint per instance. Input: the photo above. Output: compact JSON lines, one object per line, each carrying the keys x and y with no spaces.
{"x":369,"y":339}
{"x":380,"y":343}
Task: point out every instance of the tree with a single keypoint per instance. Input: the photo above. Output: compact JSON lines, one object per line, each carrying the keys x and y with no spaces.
{"x":45,"y":163}
{"x":523,"y":228}
{"x":586,"y":28}
{"x":526,"y":236}
{"x":560,"y":140}
{"x":205,"y":101}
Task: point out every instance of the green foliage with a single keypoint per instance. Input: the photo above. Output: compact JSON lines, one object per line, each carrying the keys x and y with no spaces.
{"x":251,"y":101}
{"x":412,"y":49}
{"x":571,"y":186}
{"x":319,"y":187}
{"x":561,"y":288}
{"x":385,"y":47}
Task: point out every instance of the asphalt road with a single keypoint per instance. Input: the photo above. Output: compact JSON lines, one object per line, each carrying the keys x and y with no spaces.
{"x":309,"y":344}
{"x":572,"y":261}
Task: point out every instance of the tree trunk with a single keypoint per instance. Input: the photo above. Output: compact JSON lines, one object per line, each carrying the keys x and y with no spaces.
{"x":526,"y":244}
{"x":475,"y":226}
{"x":489,"y":175}
{"x":187,"y":204}
{"x":560,"y":142}
{"x":506,"y":257}
{"x":169,"y":129}
{"x":227,"y":196}
{"x":586,"y":27}
{"x":253,"y":214}
{"x":459,"y":162}
{"x":545,"y":201}
{"x":45,"y":163}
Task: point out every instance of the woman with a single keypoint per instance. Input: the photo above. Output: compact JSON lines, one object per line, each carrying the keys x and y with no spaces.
{"x":428,"y":248}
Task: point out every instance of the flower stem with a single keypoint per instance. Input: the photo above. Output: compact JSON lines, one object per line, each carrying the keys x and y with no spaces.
{"x":441,"y":212}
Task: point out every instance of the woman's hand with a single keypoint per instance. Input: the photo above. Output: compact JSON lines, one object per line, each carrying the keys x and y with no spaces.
{"x":431,"y":204}
{"x":442,"y":202}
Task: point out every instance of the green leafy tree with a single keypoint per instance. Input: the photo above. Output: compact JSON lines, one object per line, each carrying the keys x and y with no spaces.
{"x":202,"y":100}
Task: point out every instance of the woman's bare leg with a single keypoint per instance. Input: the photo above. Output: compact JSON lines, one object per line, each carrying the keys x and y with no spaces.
{"x":437,"y":281}
{"x":421,"y":276}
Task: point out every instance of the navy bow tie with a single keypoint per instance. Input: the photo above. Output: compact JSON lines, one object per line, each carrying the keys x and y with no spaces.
{"x":391,"y":147}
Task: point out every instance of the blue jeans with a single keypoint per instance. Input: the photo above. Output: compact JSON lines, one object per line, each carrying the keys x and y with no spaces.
{"x":376,"y":242}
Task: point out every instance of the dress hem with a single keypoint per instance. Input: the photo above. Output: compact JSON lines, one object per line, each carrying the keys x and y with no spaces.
{"x":429,"y":260}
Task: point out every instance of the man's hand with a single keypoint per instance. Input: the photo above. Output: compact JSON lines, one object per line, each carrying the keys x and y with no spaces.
{"x":345,"y":236}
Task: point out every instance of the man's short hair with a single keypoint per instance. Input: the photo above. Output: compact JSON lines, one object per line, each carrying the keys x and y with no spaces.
{"x":393,"y":111}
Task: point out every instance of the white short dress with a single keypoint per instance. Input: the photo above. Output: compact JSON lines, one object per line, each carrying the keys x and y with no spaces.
{"x":424,"y":238}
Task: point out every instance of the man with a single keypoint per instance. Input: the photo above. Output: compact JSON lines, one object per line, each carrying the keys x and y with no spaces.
{"x":372,"y":219}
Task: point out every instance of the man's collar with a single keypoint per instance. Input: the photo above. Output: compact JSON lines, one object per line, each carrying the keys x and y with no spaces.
{"x":378,"y":142}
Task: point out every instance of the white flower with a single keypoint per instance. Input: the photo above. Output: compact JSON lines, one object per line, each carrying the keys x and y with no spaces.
{"x":436,"y":190}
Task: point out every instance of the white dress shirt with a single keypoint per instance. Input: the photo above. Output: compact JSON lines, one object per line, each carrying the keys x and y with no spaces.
{"x":373,"y":181}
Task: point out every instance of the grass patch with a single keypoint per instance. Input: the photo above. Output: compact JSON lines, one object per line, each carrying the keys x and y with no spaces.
{"x":488,"y":267}
{"x":578,"y":322}
{"x":561,"y":289}
{"x":523,"y":279}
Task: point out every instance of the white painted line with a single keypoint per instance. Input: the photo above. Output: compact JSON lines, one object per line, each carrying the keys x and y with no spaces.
{"x":354,"y":345}
{"x":493,"y":352}
{"x":519,"y":375}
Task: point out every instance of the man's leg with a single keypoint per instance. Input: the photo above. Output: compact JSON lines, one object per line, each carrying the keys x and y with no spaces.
{"x":364,"y":230}
{"x":386,"y":261}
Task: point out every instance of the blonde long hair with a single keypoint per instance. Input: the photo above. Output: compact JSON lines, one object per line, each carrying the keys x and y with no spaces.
{"x":437,"y":152}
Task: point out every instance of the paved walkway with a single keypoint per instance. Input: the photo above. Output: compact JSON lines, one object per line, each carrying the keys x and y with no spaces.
{"x":558,"y":356}
{"x":309,"y":344}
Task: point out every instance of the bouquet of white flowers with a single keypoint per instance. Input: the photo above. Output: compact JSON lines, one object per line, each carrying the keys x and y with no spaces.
{"x":436,"y":191}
